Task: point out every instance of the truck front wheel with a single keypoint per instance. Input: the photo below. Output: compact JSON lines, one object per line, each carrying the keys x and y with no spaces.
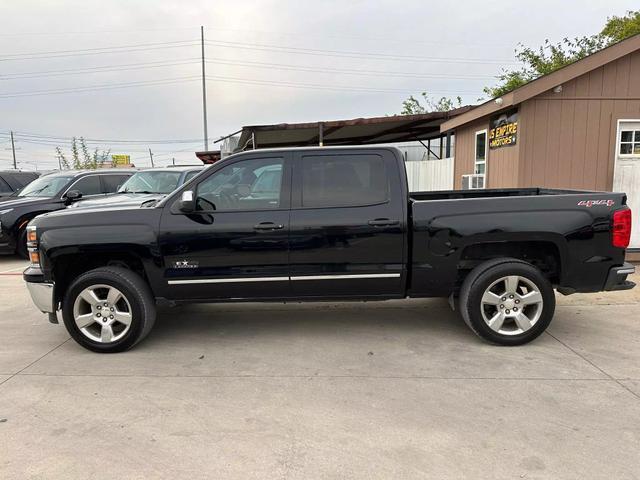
{"x":108,"y":309}
{"x":507,"y":301}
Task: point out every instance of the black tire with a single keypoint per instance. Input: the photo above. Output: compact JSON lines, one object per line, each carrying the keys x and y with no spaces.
{"x":21,"y":243}
{"x":481,"y":278}
{"x":136,"y":292}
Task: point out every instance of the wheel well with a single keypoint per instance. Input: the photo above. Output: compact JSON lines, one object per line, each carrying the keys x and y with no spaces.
{"x":69,"y":267}
{"x":543,"y":255}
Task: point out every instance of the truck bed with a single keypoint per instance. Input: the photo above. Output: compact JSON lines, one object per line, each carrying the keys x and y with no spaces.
{"x":493,"y":192}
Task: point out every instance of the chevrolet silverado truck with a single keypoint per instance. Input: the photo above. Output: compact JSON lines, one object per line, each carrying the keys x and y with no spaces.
{"x":311,"y":224}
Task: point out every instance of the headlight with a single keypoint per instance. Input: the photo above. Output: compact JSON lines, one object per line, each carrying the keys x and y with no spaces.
{"x":32,"y":236}
{"x":32,"y":245}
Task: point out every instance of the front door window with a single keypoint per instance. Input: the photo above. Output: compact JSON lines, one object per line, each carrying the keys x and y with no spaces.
{"x":248,"y":185}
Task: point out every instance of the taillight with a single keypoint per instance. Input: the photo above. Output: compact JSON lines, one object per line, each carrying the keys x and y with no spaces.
{"x":621,"y":229}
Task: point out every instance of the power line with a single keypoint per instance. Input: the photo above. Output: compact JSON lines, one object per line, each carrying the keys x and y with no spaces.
{"x":93,"y":32}
{"x":245,"y":63}
{"x":80,"y":53}
{"x":95,"y":49}
{"x":387,"y":73}
{"x":94,"y":88}
{"x":220,"y":78}
{"x":115,"y":145}
{"x":97,"y":69}
{"x":352,"y":54}
{"x":317,"y":86}
{"x":44,"y":139}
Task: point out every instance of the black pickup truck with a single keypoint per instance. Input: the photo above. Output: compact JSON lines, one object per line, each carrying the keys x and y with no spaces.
{"x":326,"y":224}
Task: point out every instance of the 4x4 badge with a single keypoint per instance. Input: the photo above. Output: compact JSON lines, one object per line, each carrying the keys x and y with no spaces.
{"x":591,"y":203}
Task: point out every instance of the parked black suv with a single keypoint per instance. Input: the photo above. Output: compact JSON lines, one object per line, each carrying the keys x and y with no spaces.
{"x":13,"y":180}
{"x":145,"y":187}
{"x":48,"y":193}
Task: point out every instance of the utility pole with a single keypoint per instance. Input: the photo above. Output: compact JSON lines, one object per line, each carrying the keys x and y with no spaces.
{"x":151,"y":157}
{"x":13,"y":149}
{"x":204,"y":92}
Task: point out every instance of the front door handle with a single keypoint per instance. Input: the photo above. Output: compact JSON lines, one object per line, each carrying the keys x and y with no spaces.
{"x":268,"y":226}
{"x":383,"y":222}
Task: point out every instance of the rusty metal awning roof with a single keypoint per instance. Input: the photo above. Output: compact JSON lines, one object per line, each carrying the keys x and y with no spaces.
{"x":209,"y":157}
{"x":358,"y":131}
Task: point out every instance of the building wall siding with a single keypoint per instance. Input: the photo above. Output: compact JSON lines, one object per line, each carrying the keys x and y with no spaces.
{"x":566,"y":139}
{"x":570,"y":137}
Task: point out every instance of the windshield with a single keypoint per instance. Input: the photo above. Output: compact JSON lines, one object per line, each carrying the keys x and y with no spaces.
{"x":45,"y":187}
{"x":151,"y":182}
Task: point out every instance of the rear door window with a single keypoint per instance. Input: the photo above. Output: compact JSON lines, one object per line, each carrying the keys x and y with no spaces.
{"x":343,"y":180}
{"x":111,"y":183}
{"x":89,"y":185}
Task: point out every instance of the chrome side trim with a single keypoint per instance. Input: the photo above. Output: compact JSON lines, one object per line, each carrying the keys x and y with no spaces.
{"x":228,"y":280}
{"x":346,"y":277}
{"x":42,"y":296}
{"x":282,"y":279}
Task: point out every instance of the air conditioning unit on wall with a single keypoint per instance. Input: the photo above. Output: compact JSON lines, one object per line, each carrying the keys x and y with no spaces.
{"x":472,"y":182}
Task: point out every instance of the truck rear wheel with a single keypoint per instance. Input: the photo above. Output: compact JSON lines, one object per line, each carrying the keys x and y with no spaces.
{"x":108,"y":309}
{"x":507,"y":301}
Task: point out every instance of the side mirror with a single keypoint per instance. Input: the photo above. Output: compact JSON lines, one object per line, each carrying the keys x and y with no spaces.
{"x":186,"y":204}
{"x":72,"y":196}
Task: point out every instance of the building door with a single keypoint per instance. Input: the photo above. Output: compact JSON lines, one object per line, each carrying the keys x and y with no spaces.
{"x":626,"y":176}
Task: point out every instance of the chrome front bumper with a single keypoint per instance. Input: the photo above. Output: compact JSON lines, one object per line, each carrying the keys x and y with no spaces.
{"x":42,"y":296}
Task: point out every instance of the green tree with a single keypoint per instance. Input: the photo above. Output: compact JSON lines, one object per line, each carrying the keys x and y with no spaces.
{"x":552,"y":56}
{"x":62,"y":159}
{"x":413,"y":106}
{"x":81,"y":156}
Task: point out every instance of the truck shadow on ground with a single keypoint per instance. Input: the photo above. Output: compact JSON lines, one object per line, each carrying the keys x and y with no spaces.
{"x":318,"y":320}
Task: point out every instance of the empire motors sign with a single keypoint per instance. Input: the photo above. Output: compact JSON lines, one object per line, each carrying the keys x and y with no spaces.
{"x":504,"y":129}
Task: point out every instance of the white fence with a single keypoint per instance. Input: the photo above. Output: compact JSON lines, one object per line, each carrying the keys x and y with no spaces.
{"x":430,"y":175}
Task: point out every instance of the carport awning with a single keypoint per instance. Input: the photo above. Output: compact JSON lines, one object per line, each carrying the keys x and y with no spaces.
{"x":358,"y":131}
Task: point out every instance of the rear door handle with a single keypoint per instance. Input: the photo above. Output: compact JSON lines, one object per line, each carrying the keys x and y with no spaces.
{"x":268,"y":226}
{"x":383,"y":222}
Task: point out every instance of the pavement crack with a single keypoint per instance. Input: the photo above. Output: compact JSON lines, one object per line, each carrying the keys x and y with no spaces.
{"x":35,"y":361}
{"x":612,"y":378}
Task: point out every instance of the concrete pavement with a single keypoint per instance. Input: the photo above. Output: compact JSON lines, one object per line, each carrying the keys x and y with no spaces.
{"x":365,"y":390}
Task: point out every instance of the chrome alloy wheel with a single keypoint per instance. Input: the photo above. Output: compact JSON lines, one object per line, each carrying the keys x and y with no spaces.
{"x":511,"y":305}
{"x":102,"y":313}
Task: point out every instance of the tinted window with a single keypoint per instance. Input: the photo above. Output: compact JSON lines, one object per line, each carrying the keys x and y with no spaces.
{"x":112,"y":183}
{"x":4,"y":187}
{"x":152,"y":182}
{"x":88,"y":185}
{"x":47,"y":186}
{"x":190,"y":175}
{"x":21,"y":179}
{"x":343,"y":180}
{"x":247,"y":185}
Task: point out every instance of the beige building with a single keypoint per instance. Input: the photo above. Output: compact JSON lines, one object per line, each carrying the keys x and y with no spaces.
{"x":577,"y":128}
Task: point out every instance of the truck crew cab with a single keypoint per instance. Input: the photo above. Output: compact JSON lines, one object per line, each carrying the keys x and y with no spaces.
{"x":326,"y":223}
